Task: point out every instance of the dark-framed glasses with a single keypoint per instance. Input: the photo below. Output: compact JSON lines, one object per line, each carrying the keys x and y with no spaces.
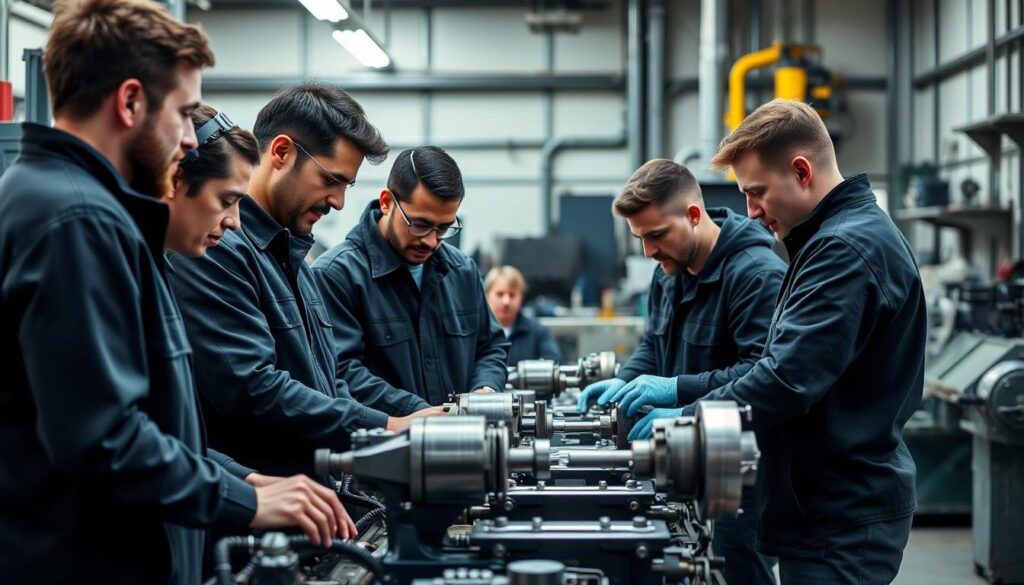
{"x":421,"y":230}
{"x":332,"y":178}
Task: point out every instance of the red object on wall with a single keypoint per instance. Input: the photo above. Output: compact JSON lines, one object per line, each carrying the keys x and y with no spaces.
{"x":6,"y":101}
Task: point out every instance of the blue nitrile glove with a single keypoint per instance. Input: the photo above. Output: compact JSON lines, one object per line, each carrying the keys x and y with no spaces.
{"x":645,"y":426}
{"x":643,"y":391}
{"x":602,"y":389}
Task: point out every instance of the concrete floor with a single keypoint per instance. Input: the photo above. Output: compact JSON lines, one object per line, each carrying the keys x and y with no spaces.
{"x":938,"y":556}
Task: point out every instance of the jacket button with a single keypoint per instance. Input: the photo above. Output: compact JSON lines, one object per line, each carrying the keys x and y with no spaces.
{"x":387,"y":338}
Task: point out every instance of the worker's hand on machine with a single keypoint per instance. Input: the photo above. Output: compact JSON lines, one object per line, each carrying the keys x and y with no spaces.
{"x":601,"y":391}
{"x":300,"y":501}
{"x":643,"y":391}
{"x":483,"y":389}
{"x":644,"y":428}
{"x":259,"y":480}
{"x":397,"y":424}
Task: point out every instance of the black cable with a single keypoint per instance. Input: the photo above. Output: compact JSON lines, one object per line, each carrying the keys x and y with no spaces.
{"x":346,"y":482}
{"x":222,"y":556}
{"x":354,"y":552}
{"x":359,"y":500}
{"x":369,"y":518}
{"x":245,"y":574}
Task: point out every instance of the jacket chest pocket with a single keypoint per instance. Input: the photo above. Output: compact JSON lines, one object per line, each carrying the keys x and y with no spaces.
{"x":321,"y":317}
{"x":462,"y":324}
{"x":703,"y":334}
{"x":282,"y":313}
{"x":386,"y":333}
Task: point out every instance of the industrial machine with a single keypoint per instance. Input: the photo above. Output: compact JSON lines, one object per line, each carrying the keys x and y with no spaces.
{"x":429,"y":476}
{"x":517,"y":487}
{"x":981,"y":376}
{"x":486,"y":496}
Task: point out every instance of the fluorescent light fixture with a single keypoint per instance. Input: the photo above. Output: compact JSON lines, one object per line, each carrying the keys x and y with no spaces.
{"x":329,"y":10}
{"x":362,"y":46}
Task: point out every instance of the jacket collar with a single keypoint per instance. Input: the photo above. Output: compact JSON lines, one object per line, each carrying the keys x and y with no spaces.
{"x":383,"y":258}
{"x":712,"y":271}
{"x":855,"y":189}
{"x":150,"y":214}
{"x":266,"y":233}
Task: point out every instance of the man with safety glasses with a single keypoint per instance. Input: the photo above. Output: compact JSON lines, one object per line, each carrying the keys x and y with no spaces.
{"x":409,"y":315}
{"x":262,"y":342}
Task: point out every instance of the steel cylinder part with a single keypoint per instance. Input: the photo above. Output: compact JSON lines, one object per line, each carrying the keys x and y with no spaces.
{"x":706,"y":458}
{"x":456,"y":459}
{"x":548,"y":378}
{"x":541,"y":376}
{"x":535,"y":459}
{"x":493,"y":406}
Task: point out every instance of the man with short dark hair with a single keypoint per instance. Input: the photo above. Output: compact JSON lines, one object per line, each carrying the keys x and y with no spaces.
{"x":105,"y":477}
{"x":843,"y":366}
{"x":410,"y":319}
{"x":709,"y":309}
{"x":264,"y":361}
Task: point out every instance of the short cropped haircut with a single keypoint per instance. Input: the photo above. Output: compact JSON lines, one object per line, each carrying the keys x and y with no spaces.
{"x":214,"y":157}
{"x":95,"y":45}
{"x":315,"y":115}
{"x":430,"y":166}
{"x":509,"y":274}
{"x":776,"y":132}
{"x":657,"y":182}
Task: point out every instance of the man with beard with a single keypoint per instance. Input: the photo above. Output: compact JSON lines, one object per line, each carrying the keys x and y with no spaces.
{"x":408,"y":312}
{"x":709,"y":308}
{"x":262,"y":338}
{"x":104,"y":475}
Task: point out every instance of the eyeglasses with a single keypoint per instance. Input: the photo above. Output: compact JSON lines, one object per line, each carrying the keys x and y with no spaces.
{"x":422,"y":230}
{"x":332,"y":178}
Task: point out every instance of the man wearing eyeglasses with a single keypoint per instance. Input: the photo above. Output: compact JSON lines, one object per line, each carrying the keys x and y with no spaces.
{"x":262,"y":341}
{"x":408,"y":312}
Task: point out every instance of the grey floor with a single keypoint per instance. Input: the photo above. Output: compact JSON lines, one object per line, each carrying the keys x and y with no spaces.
{"x":938,"y":556}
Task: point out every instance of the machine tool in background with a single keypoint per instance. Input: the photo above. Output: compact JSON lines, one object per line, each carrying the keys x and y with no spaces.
{"x":979,"y":376}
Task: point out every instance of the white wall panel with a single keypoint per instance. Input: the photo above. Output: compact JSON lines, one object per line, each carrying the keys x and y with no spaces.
{"x":485,"y":41}
{"x":254,"y":43}
{"x":483,"y":115}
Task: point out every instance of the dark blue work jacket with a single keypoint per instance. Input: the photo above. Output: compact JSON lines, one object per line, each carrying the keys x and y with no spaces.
{"x":531,"y":341}
{"x":262,"y":339}
{"x":401,"y":348}
{"x":842,"y":372}
{"x":101,"y":473}
{"x":709,"y":329}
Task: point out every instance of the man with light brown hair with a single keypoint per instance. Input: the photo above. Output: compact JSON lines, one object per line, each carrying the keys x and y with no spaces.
{"x":103,"y":475}
{"x":842,"y":369}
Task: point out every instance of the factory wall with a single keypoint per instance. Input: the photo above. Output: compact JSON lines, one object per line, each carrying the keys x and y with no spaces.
{"x":504,"y":197}
{"x":503,"y":184}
